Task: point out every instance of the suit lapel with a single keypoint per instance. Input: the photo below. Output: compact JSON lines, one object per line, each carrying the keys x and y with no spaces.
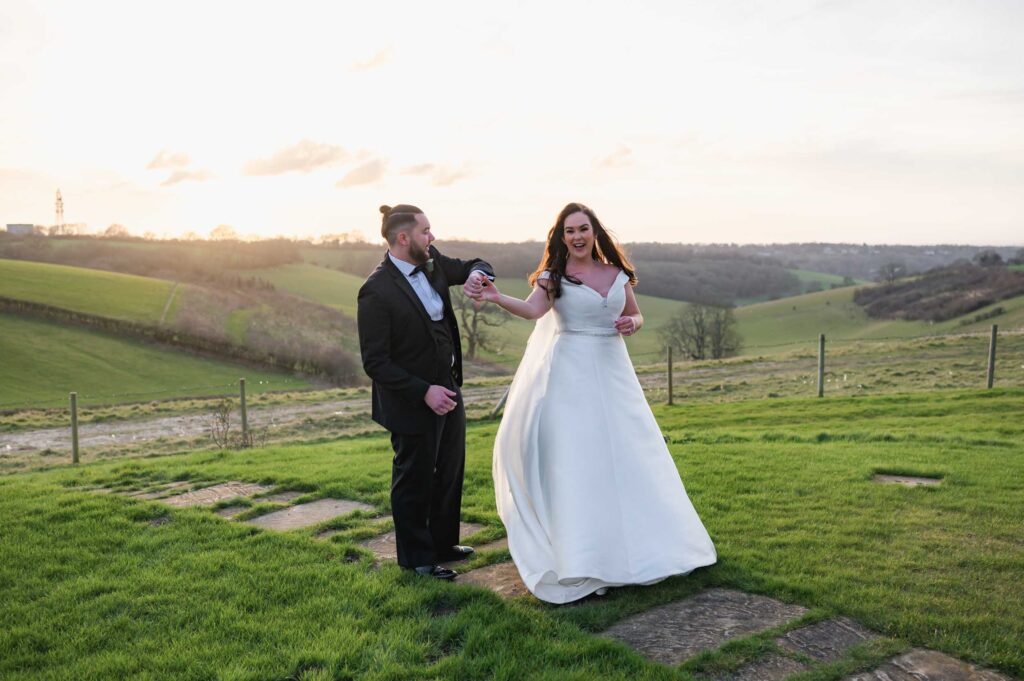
{"x":405,"y":287}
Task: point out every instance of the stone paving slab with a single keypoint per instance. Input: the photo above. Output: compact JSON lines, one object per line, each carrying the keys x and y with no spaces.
{"x":501,"y":578}
{"x":280,"y":497}
{"x":230,"y":511}
{"x":498,"y":545}
{"x":208,"y":496}
{"x":826,"y":641}
{"x":385,"y":549}
{"x":906,"y":480}
{"x":767,"y":668}
{"x":928,"y":665}
{"x":305,"y":515}
{"x":161,"y":491}
{"x":674,"y":632}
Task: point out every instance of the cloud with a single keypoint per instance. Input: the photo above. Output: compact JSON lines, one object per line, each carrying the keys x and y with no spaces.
{"x":376,"y":61}
{"x":185,"y":175}
{"x":620,"y":158}
{"x":444,"y":177}
{"x":165,"y":159}
{"x":421,"y":169}
{"x":368,"y":173}
{"x":303,"y":157}
{"x":440,"y":176}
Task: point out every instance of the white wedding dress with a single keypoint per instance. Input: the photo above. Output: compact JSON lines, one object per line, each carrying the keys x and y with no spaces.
{"x":585,"y":485}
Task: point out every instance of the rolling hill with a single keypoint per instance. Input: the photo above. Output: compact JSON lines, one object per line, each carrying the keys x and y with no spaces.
{"x":108,"y":294}
{"x":43,"y":362}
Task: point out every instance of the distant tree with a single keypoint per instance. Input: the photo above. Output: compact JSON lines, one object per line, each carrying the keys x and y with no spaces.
{"x":61,"y":230}
{"x":223,"y":233}
{"x":988,"y":258}
{"x":149,"y":236}
{"x":891,"y":271}
{"x":477,"y":325}
{"x":698,"y":331}
{"x":1018,"y":257}
{"x":191,"y":236}
{"x":812,"y":287}
{"x":848,"y":281}
{"x":115,"y":231}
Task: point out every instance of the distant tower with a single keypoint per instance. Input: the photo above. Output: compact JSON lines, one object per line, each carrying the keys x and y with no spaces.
{"x":60,"y":212}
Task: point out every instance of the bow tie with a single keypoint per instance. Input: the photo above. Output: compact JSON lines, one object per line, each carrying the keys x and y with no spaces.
{"x":426,"y":268}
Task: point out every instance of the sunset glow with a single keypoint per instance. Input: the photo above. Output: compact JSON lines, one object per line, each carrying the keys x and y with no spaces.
{"x":872,"y":122}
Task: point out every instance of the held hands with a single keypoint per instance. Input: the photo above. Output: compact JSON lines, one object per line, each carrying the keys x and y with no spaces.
{"x":481,"y":289}
{"x":474,"y":284}
{"x":627,"y":326}
{"x":440,"y":399}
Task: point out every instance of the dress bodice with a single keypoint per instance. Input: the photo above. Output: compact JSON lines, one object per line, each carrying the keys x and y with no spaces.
{"x":582,"y":310}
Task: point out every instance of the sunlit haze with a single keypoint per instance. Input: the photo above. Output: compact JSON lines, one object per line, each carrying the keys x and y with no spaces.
{"x":877,"y":122}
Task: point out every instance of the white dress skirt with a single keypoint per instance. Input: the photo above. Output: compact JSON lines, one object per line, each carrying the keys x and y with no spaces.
{"x":585,"y":485}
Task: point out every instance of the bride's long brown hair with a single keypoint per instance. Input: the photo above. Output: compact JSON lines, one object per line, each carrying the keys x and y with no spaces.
{"x":556,"y":255}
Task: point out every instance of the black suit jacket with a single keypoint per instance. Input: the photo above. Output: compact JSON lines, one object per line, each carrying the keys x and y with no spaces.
{"x":399,"y":351}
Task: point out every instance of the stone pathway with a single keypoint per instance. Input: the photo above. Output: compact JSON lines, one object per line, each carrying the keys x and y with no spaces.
{"x":384,"y":546}
{"x":208,"y":496}
{"x":928,"y":665}
{"x":668,"y":634}
{"x":675,"y":632}
{"x":304,"y":515}
{"x":826,"y":641}
{"x":501,"y":578}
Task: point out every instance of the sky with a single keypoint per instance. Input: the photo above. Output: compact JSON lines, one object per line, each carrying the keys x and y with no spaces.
{"x":702,"y":122}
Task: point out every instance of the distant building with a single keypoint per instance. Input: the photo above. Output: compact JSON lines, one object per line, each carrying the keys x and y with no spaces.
{"x":20,"y":228}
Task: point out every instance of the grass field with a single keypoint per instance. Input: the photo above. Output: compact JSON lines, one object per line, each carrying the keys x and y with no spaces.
{"x":128,"y":588}
{"x":766,"y":328}
{"x":802,"y":318}
{"x":319,"y":284}
{"x":108,"y":294}
{"x":43,"y":362}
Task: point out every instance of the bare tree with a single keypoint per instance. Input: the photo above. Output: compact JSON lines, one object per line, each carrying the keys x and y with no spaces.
{"x":699,"y":330}
{"x":891,"y":271}
{"x":477,"y":324}
{"x":116,"y":231}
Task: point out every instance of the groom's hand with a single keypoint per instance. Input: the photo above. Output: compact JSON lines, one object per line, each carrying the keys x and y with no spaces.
{"x":440,"y":399}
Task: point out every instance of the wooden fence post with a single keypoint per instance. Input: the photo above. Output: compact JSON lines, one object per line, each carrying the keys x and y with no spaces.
{"x":821,"y":365}
{"x":992,"y":356}
{"x":245,"y":415}
{"x":74,"y":427}
{"x":501,"y":402}
{"x":670,"y":374}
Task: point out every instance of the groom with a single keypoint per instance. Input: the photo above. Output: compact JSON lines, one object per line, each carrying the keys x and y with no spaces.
{"x":410,"y":346}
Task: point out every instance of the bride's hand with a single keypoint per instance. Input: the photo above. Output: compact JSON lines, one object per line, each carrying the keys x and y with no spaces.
{"x":625,"y":325}
{"x":488,"y":291}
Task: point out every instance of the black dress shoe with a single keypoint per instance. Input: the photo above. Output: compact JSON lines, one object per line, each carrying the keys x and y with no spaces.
{"x":455,"y":553}
{"x":435,"y":571}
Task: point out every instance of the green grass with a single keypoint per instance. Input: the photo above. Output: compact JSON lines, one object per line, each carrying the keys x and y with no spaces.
{"x":43,"y":362}
{"x":802,"y":318}
{"x":108,"y":294}
{"x":826,"y":280}
{"x":784,"y":487}
{"x":319,"y":284}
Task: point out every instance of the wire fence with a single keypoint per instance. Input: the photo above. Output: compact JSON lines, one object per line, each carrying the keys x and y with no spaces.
{"x":829,"y":367}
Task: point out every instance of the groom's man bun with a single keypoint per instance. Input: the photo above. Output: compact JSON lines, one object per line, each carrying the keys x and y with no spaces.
{"x":395,"y":218}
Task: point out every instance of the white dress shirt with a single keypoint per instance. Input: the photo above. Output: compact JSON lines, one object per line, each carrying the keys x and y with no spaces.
{"x":427,"y":294}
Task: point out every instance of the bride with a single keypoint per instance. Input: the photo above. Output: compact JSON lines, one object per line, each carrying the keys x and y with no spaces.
{"x":587,"y":490}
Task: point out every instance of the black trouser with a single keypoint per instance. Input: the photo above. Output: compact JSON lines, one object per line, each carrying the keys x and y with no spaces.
{"x":426,"y":488}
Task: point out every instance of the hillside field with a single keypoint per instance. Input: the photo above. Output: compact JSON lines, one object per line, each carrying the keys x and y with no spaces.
{"x":98,"y":292}
{"x":43,"y":362}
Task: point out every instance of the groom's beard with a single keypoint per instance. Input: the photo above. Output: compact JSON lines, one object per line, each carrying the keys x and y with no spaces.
{"x":417,"y":254}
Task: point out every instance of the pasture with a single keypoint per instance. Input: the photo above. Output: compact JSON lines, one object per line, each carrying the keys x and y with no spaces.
{"x":43,"y":362}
